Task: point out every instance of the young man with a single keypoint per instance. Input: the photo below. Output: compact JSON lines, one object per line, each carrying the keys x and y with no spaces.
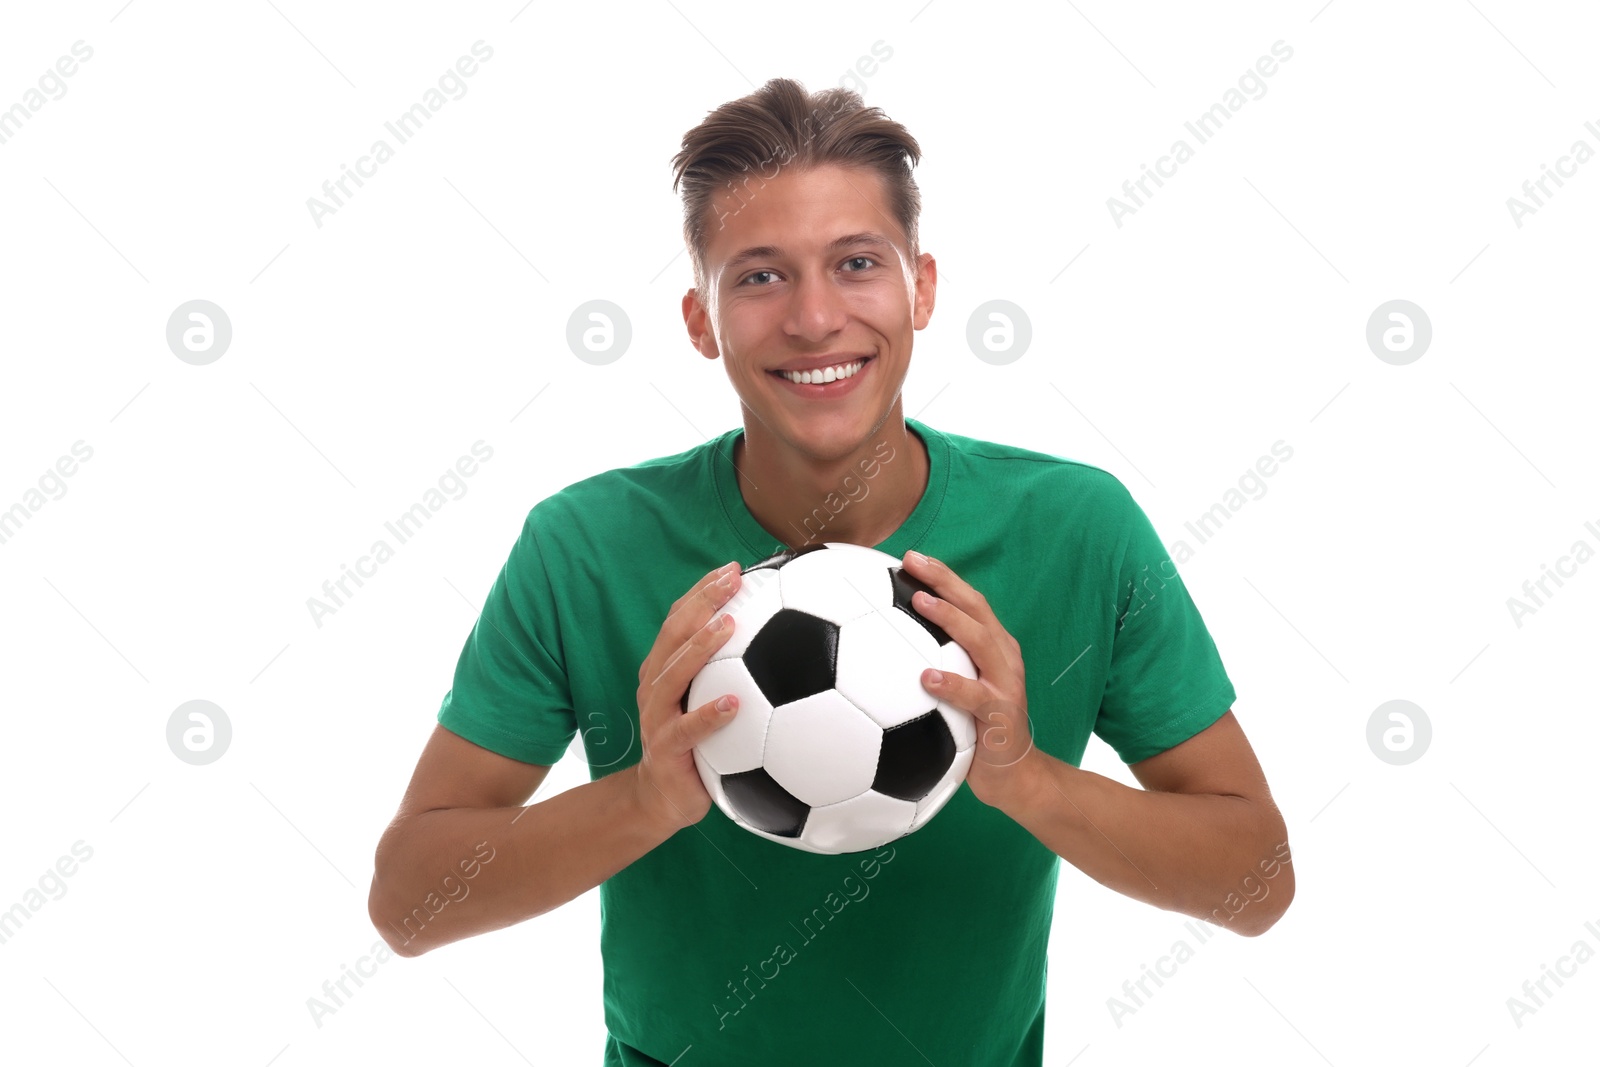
{"x":801,"y":216}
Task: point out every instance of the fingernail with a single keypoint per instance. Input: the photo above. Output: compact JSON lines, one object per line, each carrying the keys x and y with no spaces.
{"x":725,"y":704}
{"x":716,"y":623}
{"x":919,"y":559}
{"x":935,"y":677}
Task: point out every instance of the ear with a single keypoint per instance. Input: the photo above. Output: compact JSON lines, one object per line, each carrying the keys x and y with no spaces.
{"x":698,"y":323}
{"x":927,"y":286}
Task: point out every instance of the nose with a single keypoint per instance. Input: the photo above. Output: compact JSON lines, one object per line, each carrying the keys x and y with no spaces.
{"x":817,"y":310}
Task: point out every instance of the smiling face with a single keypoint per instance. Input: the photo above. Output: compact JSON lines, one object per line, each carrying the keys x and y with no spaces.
{"x":808,"y":268}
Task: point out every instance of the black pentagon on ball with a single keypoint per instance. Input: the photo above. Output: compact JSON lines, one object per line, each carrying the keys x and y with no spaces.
{"x":793,"y":657}
{"x":764,"y":804}
{"x":914,"y":757}
{"x":904,"y":586}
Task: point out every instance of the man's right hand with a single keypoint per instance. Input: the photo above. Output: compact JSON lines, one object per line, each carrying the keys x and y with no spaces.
{"x":669,"y":789}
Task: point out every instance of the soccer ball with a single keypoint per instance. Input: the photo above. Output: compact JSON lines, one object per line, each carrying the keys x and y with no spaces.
{"x":836,"y":746}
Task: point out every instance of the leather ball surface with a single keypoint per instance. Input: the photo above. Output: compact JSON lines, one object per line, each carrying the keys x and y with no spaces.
{"x":836,"y":746}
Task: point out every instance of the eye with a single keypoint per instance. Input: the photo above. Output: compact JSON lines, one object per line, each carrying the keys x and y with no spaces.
{"x":860,"y":259}
{"x":746,"y":281}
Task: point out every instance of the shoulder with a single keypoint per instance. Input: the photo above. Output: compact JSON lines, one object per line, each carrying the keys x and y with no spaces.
{"x":628,"y":494}
{"x":1060,"y":478}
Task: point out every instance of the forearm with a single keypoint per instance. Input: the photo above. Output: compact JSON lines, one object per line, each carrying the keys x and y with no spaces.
{"x":432,"y":885}
{"x":1224,"y":859}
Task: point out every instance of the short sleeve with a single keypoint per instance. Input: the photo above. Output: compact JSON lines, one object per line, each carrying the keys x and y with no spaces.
{"x":510,"y":692}
{"x":1166,"y":681}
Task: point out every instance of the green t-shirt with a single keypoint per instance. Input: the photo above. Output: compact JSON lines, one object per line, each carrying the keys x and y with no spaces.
{"x":932,"y":947}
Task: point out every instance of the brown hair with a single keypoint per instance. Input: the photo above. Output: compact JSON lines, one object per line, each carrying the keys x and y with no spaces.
{"x":780,"y":124}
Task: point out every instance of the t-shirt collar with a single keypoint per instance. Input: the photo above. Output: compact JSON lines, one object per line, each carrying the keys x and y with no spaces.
{"x":762,"y":544}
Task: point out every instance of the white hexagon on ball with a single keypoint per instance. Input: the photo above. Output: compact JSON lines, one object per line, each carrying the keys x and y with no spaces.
{"x":963,"y":727}
{"x":881,"y":660}
{"x":738,"y":745}
{"x":934,"y":802}
{"x":757,"y":600}
{"x":837,"y":585}
{"x":860,"y":823}
{"x":822,"y":749}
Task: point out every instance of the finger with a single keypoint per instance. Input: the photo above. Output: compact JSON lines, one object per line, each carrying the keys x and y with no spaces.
{"x":690,"y":612}
{"x":956,"y":690}
{"x":669,"y":686}
{"x":989,"y":643}
{"x":697,"y":591}
{"x":980,"y":641}
{"x":696,"y":608}
{"x":687,"y":731}
{"x":1004,"y":730}
{"x":708,"y":579}
{"x":1000,"y":722}
{"x":949,"y":585}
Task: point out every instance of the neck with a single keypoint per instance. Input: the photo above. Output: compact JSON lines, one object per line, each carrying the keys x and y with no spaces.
{"x":860,"y":498}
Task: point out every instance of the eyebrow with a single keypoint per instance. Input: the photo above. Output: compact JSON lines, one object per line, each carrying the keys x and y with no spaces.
{"x":836,"y":245}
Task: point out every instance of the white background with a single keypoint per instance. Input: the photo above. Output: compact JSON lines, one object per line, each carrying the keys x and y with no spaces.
{"x":429,"y":312}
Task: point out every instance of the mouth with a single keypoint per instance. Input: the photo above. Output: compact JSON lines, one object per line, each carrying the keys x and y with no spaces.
{"x":817,"y":384}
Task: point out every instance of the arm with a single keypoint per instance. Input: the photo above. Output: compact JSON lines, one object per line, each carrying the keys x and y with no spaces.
{"x":1203,"y":837}
{"x":463,"y":856}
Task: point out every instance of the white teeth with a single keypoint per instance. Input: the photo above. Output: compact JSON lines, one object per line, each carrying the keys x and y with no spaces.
{"x":827,"y":374}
